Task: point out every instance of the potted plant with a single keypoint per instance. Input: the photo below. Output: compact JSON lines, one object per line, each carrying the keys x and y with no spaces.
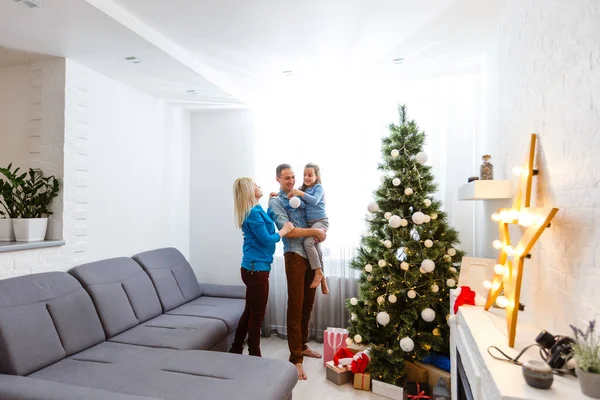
{"x":32,"y":194}
{"x":586,"y":351}
{"x":7,"y":208}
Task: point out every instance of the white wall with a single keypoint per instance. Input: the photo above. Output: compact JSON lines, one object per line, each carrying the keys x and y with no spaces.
{"x":14,"y":115}
{"x":222,"y":150}
{"x":544,"y":78}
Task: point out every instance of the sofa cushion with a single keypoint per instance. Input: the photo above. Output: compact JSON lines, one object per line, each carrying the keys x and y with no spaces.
{"x":172,"y":275}
{"x":43,"y":318}
{"x":175,"y":332}
{"x":122,"y":292}
{"x":225,"y":309}
{"x":173,"y":374}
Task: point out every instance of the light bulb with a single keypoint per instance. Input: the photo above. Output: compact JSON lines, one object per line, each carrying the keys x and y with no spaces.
{"x":502,"y":301}
{"x":518,"y":170}
{"x":509,"y":250}
{"x":496,"y":285}
{"x":497,"y":244}
{"x":487,"y":285}
{"x":496,"y":217}
{"x":499,"y":269}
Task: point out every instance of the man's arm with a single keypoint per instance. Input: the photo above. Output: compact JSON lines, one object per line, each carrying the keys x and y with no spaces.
{"x":306,"y":232}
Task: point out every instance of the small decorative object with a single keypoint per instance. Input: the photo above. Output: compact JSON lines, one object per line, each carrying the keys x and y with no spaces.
{"x":472,"y":178}
{"x":451,"y":252}
{"x":395,"y":221}
{"x":408,"y":191}
{"x":418,"y":218}
{"x":353,"y":301}
{"x":381,"y":263}
{"x":428,"y":315}
{"x":538,"y":374}
{"x":294,"y":202}
{"x":404,"y":266}
{"x":586,"y":350}
{"x":411,"y":294}
{"x":368,"y":268}
{"x":387,"y":215}
{"x":433,"y":216}
{"x":362,"y":381}
{"x":421,"y":157}
{"x":403,"y":222}
{"x":370,"y":217}
{"x":416,"y":391}
{"x":435,"y":288}
{"x":373,"y":207}
{"x":353,"y":317}
{"x":380,"y":300}
{"x":450,"y":282}
{"x":349,"y":341}
{"x":440,"y":391}
{"x":395,"y":153}
{"x":428,"y":265}
{"x":486,"y":171}
{"x":396,"y":181}
{"x":392,"y":298}
{"x":428,"y":243}
{"x":383,"y":318}
{"x":407,"y":344}
{"x":427,"y":202}
{"x":357,"y":338}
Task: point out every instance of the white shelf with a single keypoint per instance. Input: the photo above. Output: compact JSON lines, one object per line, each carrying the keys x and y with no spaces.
{"x":485,"y":190}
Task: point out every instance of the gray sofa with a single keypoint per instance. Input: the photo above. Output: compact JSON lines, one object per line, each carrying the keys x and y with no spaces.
{"x":123,"y":328}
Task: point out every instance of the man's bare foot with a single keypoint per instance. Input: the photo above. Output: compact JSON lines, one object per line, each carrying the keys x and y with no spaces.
{"x":317,"y":279}
{"x":310,"y":353}
{"x":301,"y":374}
{"x":324,"y":287}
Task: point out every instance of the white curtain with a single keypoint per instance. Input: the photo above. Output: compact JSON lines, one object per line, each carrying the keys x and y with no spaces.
{"x":339,"y":126}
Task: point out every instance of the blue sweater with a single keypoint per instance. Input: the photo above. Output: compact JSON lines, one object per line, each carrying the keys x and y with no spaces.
{"x":314,"y":198}
{"x":259,"y":240}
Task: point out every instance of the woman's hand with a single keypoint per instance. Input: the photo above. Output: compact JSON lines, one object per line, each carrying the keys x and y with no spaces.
{"x":272,"y":194}
{"x":295,"y":192}
{"x":286,"y":228}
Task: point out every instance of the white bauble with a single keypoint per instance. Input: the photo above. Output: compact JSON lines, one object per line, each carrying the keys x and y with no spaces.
{"x":452,"y":320}
{"x":395,"y":221}
{"x":434,"y":216}
{"x":370,"y":217}
{"x":373,"y":207}
{"x":411,"y":294}
{"x":408,"y":191}
{"x":368,"y":268}
{"x":387,"y":215}
{"x":390,"y":352}
{"x":395,"y":153}
{"x":354,"y":301}
{"x":396,"y":181}
{"x":407,"y":344}
{"x":421,"y":157}
{"x":381,"y":263}
{"x":435,"y":288}
{"x":392,"y":298}
{"x":451,"y":282}
{"x":428,"y":265}
{"x":383,"y":318}
{"x":427,"y":202}
{"x":447,"y":258}
{"x":426,"y":219}
{"x":428,"y":243}
{"x":357,"y":338}
{"x":404,"y":266}
{"x":294,"y":202}
{"x":403,"y":222}
{"x":428,"y":315}
{"x":349,"y":341}
{"x":380,"y":300}
{"x":353,"y":317}
{"x":387,"y":243}
{"x":418,"y":217}
{"x":451,"y":252}
{"x":453,"y":270}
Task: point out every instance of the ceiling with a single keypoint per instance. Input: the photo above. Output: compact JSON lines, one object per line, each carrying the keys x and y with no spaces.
{"x":229,"y":51}
{"x":10,"y":57}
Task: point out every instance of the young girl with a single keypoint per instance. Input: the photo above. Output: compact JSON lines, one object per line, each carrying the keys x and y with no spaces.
{"x":313,"y":195}
{"x":258,"y":248}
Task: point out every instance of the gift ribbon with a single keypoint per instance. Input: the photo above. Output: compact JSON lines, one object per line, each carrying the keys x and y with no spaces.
{"x":420,"y":394}
{"x":362,"y":381}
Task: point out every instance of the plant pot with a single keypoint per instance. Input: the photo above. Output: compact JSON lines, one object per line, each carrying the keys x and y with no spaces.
{"x":7,"y":233}
{"x":30,"y":229}
{"x":589,"y":383}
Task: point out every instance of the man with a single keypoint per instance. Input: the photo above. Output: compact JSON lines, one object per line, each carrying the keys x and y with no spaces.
{"x":297,"y":269}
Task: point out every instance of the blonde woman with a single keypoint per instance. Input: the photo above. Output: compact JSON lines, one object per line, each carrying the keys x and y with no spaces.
{"x":258,"y":248}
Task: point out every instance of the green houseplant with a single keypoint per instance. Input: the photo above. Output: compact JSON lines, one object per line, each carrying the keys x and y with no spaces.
{"x":7,"y":206}
{"x":586,"y":351}
{"x":29,"y":197}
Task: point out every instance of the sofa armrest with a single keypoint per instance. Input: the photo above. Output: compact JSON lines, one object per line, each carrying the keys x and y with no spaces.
{"x":230,"y":291}
{"x":13,"y":387}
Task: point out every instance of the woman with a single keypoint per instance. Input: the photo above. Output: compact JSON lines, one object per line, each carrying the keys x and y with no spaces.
{"x":259,"y":245}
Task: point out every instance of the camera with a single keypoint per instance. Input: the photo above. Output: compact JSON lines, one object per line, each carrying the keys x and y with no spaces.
{"x":556,"y":349}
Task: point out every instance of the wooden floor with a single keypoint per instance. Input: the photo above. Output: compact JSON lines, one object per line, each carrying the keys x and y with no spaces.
{"x":317,"y":386}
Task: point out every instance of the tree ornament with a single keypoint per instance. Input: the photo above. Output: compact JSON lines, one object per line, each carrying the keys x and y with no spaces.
{"x":373,"y":207}
{"x":392,"y":298}
{"x":368,"y":268}
{"x":408,"y":191}
{"x":294,"y":202}
{"x":426,"y":219}
{"x":452,"y":320}
{"x":380,"y":300}
{"x":353,"y":317}
{"x":418,"y":218}
{"x":428,"y":315}
{"x":435,"y":288}
{"x":395,"y":153}
{"x":370,"y":217}
{"x":421,"y":270}
{"x":427,"y":202}
{"x":370,"y":278}
{"x":353,"y":301}
{"x":390,"y":352}
{"x":436,"y":332}
{"x":421,"y":157}
{"x":396,"y":181}
{"x":368,"y":250}
{"x":387,"y":243}
{"x":407,"y":344}
{"x":434,"y":216}
{"x":447,"y":258}
{"x":404,"y":265}
{"x":395,"y":221}
{"x":349,"y":342}
{"x":411,"y":294}
{"x":428,"y":265}
{"x":426,"y":346}
{"x":383,"y":318}
{"x":357,"y":338}
{"x":381,"y":263}
{"x":451,"y":282}
{"x":453,"y":270}
{"x":428,"y":243}
{"x":403,"y":222}
{"x":387,"y":215}
{"x":451,"y":252}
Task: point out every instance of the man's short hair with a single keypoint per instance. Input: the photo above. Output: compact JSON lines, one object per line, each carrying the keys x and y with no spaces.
{"x":281,"y":167}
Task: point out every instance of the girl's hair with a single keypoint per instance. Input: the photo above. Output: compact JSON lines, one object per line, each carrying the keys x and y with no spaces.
{"x":243,"y":199}
{"x":317,"y":173}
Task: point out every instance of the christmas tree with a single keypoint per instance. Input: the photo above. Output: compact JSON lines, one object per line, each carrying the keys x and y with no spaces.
{"x":407,"y":261}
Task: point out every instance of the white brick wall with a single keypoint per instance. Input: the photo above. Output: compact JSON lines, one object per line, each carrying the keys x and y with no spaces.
{"x":544,"y":77}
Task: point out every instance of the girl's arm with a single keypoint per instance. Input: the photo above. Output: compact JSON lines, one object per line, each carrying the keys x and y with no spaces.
{"x":314,"y":199}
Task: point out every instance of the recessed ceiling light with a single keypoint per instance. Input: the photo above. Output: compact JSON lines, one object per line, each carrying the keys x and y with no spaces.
{"x":287,"y":73}
{"x":134,"y":60}
{"x":191,"y":91}
{"x":30,"y":3}
{"x":398,"y":60}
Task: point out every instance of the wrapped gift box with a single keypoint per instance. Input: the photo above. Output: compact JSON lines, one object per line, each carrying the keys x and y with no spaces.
{"x":333,"y":340}
{"x":386,"y":390}
{"x":435,"y":374}
{"x":362,"y":381}
{"x":416,"y":372}
{"x":417,"y":391}
{"x":339,"y":376}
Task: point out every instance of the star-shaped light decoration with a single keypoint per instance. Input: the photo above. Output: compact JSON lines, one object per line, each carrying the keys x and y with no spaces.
{"x":508,"y":274}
